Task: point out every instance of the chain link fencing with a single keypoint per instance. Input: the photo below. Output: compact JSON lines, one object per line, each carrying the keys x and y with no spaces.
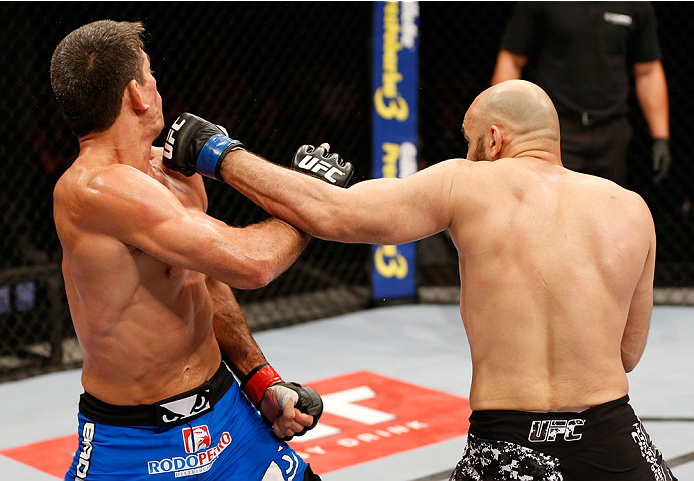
{"x":278,"y":75}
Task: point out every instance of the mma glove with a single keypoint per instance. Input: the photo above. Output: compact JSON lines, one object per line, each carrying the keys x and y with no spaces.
{"x":319,"y":163}
{"x":195,"y":145}
{"x":304,"y":398}
{"x":661,"y":158}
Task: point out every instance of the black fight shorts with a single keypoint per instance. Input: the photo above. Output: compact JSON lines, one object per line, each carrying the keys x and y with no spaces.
{"x":605,"y":442}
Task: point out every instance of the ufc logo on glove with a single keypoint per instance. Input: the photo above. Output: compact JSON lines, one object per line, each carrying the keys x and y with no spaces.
{"x":318,"y":162}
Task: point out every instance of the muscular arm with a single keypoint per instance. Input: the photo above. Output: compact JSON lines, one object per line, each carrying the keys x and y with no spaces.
{"x":240,"y":349}
{"x":231,"y":330}
{"x":639,"y":317}
{"x":508,"y":66}
{"x":141,"y":212}
{"x":379,"y":211}
{"x":652,"y":94}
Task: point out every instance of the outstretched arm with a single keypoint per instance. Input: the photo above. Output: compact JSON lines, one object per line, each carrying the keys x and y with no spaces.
{"x":383,"y":211}
{"x":380,"y":211}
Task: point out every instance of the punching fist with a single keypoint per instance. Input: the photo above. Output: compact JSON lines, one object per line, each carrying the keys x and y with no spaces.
{"x":292,"y":395}
{"x":320,"y":163}
{"x":277,"y":401}
{"x":195,"y":145}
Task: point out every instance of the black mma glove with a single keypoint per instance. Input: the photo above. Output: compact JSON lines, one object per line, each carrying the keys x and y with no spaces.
{"x":304,"y":398}
{"x":195,"y":145}
{"x":318,"y":162}
{"x":661,"y":158}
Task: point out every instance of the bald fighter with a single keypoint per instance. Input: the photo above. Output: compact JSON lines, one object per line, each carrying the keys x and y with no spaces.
{"x":147,"y":275}
{"x":556,"y":272}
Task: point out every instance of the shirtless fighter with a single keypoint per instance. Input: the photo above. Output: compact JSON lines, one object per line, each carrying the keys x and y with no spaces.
{"x":147,"y":275}
{"x":556,"y":274}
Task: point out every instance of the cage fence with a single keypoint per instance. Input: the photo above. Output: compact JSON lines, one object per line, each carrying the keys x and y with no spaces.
{"x":279,"y":75}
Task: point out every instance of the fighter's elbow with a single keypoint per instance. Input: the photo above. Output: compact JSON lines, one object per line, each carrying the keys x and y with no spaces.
{"x":629,"y":361}
{"x":262,"y":279}
{"x":256,"y":274}
{"x":326,"y":230}
{"x":248,"y":281}
{"x":322,"y":222}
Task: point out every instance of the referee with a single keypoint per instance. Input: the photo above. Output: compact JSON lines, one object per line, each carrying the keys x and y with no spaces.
{"x":580,"y":53}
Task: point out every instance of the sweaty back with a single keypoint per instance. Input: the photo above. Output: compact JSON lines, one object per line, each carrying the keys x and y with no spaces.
{"x":548,"y":270}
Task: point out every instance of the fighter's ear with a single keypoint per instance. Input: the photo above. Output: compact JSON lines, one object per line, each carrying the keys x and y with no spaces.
{"x":132,"y":95}
{"x":496,"y":142}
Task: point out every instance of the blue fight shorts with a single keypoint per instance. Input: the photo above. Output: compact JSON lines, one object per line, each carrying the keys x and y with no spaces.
{"x":210,"y":432}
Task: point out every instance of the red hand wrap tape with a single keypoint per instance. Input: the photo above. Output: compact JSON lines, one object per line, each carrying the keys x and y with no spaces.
{"x":255,"y":386}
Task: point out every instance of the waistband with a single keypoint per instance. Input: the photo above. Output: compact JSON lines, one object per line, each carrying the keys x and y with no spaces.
{"x":588,"y":119}
{"x":532,"y":429}
{"x":173,"y":411}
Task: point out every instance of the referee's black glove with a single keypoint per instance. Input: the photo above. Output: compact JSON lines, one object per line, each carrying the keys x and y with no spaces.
{"x":661,"y":159}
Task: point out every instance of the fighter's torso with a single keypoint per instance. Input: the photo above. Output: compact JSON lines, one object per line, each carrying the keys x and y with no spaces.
{"x":144,"y":327}
{"x":547,"y":275}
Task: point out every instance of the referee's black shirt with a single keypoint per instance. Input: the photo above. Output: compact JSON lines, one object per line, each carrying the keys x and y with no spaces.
{"x":581,"y":52}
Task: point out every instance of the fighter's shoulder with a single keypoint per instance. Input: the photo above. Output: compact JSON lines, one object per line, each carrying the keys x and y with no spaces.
{"x":631,"y":204}
{"x":115,"y":180}
{"x":638,"y":205}
{"x":86,"y":189}
{"x":475,"y":176}
{"x":460,"y":172}
{"x":480,"y":174}
{"x":633,"y":199}
{"x":458,"y":165}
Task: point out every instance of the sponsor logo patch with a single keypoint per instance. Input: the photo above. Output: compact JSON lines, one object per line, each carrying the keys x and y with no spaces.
{"x":178,"y":410}
{"x":547,"y":430}
{"x":199,"y":462}
{"x":196,"y":438}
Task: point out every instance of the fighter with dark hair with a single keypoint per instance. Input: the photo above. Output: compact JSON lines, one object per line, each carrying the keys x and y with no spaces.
{"x":147,"y":275}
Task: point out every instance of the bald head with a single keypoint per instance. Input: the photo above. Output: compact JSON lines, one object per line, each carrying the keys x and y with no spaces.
{"x":521,"y":109}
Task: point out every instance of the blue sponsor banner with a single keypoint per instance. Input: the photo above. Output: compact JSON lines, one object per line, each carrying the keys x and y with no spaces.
{"x":395,"y":84}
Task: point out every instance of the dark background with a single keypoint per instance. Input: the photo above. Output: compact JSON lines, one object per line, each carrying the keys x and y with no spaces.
{"x":279,"y":75}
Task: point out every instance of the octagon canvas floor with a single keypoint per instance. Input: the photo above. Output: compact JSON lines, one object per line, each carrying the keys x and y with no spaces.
{"x":395,"y":381}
